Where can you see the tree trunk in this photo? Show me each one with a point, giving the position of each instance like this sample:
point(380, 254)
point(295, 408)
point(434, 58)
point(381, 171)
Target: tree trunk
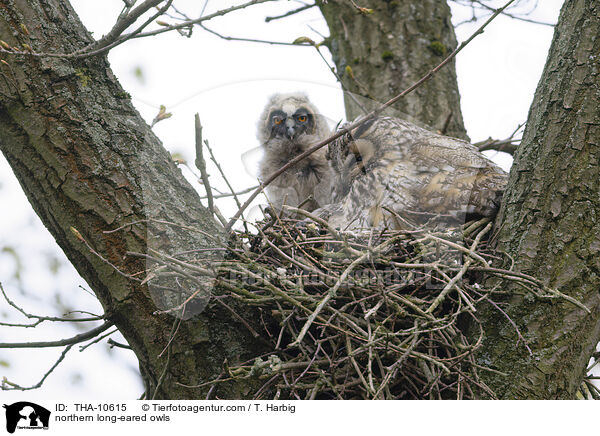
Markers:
point(86, 159)
point(549, 222)
point(379, 54)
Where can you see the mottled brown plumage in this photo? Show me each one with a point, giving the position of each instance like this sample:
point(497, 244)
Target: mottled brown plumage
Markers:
point(289, 125)
point(389, 167)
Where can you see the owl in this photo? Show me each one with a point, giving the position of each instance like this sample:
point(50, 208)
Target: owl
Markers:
point(388, 168)
point(289, 125)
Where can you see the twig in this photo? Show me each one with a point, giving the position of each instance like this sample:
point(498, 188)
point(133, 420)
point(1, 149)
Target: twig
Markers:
point(60, 343)
point(98, 339)
point(339, 79)
point(332, 291)
point(520, 336)
point(114, 343)
point(99, 256)
point(458, 247)
point(201, 163)
point(91, 51)
point(115, 41)
point(167, 348)
point(356, 367)
point(123, 22)
point(243, 191)
point(508, 145)
point(460, 274)
point(14, 386)
point(41, 318)
point(239, 318)
point(224, 177)
point(292, 12)
point(199, 20)
point(516, 17)
point(260, 41)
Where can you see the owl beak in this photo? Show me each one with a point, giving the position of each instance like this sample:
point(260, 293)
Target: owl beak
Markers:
point(290, 130)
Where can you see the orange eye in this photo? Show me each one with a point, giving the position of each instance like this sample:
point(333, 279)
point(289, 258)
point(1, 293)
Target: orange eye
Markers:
point(277, 120)
point(302, 118)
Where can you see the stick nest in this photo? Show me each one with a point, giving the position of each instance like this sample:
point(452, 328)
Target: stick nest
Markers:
point(375, 315)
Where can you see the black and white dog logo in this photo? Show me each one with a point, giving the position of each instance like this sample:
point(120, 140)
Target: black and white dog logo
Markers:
point(26, 415)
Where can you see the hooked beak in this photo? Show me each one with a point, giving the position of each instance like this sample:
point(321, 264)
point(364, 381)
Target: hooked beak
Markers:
point(290, 132)
point(290, 129)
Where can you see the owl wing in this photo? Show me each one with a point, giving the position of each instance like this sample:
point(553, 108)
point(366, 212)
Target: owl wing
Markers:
point(390, 166)
point(456, 178)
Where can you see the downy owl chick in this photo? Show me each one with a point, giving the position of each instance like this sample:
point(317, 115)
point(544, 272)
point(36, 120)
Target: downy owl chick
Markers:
point(289, 125)
point(389, 167)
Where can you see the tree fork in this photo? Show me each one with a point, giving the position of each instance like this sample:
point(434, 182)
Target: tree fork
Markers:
point(87, 160)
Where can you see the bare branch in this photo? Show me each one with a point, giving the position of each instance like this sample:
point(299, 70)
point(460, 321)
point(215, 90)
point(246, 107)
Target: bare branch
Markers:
point(114, 343)
point(261, 41)
point(62, 342)
point(477, 4)
point(201, 163)
point(9, 386)
point(188, 23)
point(94, 252)
point(224, 177)
point(98, 339)
point(123, 22)
point(40, 318)
point(243, 191)
point(516, 17)
point(339, 79)
point(92, 50)
point(292, 12)
point(508, 145)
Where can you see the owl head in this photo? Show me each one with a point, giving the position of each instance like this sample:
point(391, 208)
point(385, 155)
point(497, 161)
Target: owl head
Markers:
point(290, 117)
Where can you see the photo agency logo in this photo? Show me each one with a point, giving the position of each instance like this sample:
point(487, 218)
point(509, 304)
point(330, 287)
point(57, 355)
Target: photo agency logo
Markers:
point(26, 415)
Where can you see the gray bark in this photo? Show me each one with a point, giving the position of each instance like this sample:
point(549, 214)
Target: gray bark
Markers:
point(379, 55)
point(86, 159)
point(549, 221)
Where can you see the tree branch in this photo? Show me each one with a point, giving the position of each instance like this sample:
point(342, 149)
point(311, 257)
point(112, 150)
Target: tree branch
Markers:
point(60, 343)
point(292, 12)
point(123, 22)
point(9, 386)
point(40, 318)
point(109, 43)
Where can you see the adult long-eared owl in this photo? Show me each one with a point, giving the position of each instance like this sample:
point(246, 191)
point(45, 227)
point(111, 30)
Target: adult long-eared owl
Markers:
point(289, 125)
point(388, 167)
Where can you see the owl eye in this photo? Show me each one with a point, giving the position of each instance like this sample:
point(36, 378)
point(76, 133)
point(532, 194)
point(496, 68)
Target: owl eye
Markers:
point(302, 118)
point(277, 121)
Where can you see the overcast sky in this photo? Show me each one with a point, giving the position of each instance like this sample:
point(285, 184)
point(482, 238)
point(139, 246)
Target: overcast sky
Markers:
point(227, 83)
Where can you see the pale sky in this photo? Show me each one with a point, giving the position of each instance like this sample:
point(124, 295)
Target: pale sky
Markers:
point(227, 83)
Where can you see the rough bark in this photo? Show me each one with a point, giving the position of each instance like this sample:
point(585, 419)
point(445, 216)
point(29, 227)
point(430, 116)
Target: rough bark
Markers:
point(86, 159)
point(549, 221)
point(380, 54)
